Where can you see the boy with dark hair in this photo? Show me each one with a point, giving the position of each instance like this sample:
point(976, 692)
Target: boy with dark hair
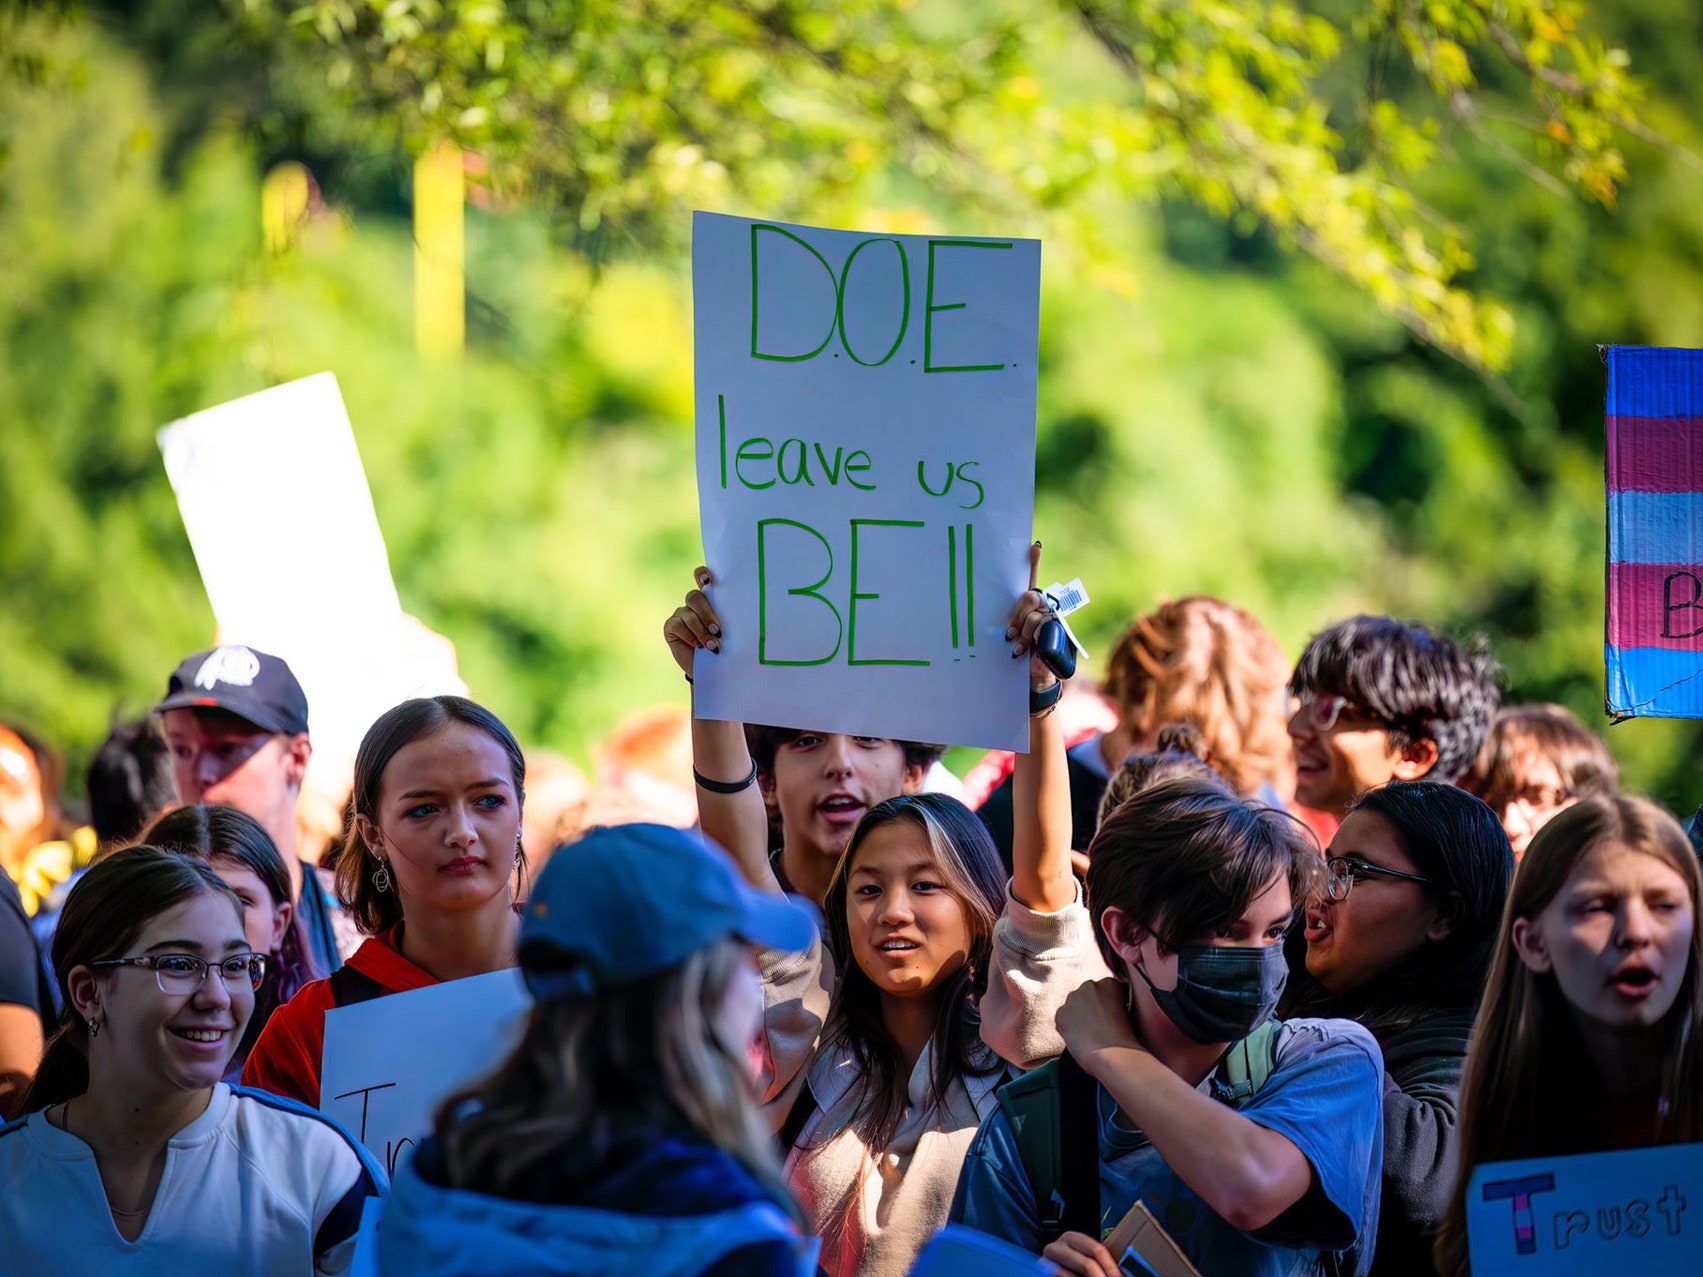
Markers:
point(1384, 700)
point(1256, 1144)
point(129, 782)
point(817, 785)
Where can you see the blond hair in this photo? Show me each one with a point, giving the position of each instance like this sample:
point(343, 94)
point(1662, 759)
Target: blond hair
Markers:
point(1202, 661)
point(1525, 1067)
point(647, 1056)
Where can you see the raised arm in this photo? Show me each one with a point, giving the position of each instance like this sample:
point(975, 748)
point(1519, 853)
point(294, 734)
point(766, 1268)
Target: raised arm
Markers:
point(1044, 941)
point(1041, 876)
point(738, 819)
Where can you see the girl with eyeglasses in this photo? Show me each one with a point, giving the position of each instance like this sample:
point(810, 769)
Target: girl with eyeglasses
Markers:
point(1401, 940)
point(1538, 761)
point(134, 1157)
point(237, 848)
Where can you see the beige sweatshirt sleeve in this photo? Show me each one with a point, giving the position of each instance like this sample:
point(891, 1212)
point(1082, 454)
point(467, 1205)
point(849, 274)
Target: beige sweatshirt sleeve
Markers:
point(796, 991)
point(1038, 960)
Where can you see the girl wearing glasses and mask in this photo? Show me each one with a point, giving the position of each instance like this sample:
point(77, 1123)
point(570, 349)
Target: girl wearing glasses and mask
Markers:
point(1401, 940)
point(1257, 1145)
point(134, 1157)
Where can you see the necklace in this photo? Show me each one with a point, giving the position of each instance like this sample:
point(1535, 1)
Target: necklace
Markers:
point(140, 1212)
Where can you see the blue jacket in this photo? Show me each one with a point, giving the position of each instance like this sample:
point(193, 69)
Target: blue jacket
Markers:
point(719, 1221)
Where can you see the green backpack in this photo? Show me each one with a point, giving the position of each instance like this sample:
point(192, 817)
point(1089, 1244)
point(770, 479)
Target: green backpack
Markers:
point(1055, 1123)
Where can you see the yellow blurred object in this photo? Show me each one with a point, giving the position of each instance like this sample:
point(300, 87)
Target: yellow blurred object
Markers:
point(440, 322)
point(284, 197)
point(49, 864)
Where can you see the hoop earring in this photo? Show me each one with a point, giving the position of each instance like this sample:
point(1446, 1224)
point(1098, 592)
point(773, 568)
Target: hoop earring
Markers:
point(381, 877)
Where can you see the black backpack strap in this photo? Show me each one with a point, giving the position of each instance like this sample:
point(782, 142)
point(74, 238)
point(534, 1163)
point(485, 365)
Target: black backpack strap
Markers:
point(349, 986)
point(1079, 1149)
point(796, 1117)
point(1054, 1116)
point(1030, 1104)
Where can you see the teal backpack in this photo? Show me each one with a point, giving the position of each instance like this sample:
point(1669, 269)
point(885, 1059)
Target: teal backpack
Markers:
point(1055, 1123)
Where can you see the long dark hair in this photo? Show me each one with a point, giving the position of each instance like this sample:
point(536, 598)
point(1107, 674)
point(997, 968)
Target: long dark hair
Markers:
point(105, 911)
point(970, 864)
point(376, 911)
point(211, 833)
point(1457, 842)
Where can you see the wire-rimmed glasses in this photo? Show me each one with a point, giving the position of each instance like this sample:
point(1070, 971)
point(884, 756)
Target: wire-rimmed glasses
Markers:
point(180, 973)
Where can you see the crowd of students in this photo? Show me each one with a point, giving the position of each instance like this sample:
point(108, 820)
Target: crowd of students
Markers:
point(847, 1009)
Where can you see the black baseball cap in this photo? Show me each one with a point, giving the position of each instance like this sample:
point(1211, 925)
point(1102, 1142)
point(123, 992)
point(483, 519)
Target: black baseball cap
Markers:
point(239, 680)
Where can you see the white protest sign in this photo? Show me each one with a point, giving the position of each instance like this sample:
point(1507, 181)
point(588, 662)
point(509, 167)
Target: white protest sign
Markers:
point(866, 474)
point(1581, 1216)
point(276, 504)
point(389, 1062)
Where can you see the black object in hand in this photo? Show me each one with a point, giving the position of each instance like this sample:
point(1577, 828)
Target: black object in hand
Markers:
point(1055, 649)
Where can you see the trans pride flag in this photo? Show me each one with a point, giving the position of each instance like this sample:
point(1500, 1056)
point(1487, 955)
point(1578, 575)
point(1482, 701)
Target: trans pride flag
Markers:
point(1655, 532)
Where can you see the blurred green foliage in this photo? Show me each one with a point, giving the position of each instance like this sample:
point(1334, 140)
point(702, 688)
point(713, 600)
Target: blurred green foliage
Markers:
point(614, 110)
point(1218, 412)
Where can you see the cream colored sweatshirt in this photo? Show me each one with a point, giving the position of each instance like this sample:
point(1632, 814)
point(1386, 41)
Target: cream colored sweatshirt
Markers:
point(1039, 960)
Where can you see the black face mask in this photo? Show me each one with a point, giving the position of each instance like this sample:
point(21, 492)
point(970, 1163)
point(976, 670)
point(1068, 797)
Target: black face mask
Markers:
point(1222, 994)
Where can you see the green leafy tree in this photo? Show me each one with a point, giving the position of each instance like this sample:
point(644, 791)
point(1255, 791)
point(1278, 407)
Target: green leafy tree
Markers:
point(621, 114)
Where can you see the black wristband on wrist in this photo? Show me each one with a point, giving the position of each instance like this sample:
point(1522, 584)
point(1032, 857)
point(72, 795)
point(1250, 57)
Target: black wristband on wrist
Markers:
point(725, 786)
point(1041, 702)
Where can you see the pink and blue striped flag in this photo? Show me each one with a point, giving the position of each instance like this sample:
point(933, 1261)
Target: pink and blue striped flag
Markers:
point(1655, 532)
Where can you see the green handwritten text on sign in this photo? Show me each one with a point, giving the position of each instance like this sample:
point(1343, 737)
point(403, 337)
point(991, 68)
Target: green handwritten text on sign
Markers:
point(866, 454)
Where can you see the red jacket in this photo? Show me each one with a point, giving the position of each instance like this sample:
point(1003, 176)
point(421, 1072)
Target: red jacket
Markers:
point(287, 1057)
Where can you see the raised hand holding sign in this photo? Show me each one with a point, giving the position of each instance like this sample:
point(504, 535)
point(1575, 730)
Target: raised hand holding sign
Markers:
point(865, 444)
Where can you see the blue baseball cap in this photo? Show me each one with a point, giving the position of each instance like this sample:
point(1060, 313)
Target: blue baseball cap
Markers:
point(628, 901)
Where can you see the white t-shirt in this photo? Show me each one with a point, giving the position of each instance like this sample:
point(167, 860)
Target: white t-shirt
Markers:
point(256, 1185)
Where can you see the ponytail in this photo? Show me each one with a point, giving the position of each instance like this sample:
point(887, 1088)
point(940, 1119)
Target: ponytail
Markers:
point(64, 1070)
